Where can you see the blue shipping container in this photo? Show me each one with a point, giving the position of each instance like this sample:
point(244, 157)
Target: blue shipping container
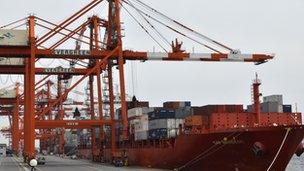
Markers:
point(287, 108)
point(162, 114)
point(187, 104)
point(158, 134)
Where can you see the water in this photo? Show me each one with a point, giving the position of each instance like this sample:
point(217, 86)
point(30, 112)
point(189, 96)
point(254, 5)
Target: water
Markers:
point(296, 164)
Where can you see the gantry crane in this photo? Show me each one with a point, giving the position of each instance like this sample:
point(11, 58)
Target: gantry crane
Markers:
point(101, 56)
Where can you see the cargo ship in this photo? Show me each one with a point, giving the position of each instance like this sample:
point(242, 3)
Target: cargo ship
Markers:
point(179, 136)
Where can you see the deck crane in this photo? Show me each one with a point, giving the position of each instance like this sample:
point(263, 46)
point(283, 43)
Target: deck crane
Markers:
point(105, 55)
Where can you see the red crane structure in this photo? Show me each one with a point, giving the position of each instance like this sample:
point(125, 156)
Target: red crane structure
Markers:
point(101, 56)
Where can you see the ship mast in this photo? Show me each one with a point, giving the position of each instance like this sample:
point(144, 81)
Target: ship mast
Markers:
point(256, 98)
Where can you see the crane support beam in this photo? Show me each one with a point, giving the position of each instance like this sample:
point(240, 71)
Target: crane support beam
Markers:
point(70, 124)
point(29, 89)
point(20, 70)
point(15, 126)
point(6, 113)
point(132, 55)
point(7, 101)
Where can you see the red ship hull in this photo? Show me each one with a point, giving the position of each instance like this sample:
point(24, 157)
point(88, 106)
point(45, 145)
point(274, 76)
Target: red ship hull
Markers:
point(229, 150)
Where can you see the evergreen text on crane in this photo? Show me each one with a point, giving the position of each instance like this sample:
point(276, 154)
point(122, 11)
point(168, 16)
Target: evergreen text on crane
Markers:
point(71, 52)
point(59, 70)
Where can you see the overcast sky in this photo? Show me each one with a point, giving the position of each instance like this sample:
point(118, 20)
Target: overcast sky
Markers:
point(272, 26)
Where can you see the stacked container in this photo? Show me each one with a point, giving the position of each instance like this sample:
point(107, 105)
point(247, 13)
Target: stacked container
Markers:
point(138, 111)
point(271, 107)
point(158, 123)
point(139, 122)
point(209, 109)
point(195, 120)
point(287, 108)
point(272, 104)
point(163, 124)
point(163, 133)
point(176, 104)
point(273, 98)
point(182, 113)
point(162, 114)
point(141, 128)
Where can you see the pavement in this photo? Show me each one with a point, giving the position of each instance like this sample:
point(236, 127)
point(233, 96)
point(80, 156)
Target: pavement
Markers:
point(54, 163)
point(10, 164)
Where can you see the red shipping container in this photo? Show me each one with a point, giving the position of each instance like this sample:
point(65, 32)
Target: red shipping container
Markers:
point(209, 109)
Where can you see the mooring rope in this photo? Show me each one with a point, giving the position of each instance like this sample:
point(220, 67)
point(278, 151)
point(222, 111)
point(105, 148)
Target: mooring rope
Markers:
point(282, 144)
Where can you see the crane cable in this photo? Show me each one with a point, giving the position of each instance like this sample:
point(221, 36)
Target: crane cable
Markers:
point(20, 25)
point(143, 27)
point(2, 82)
point(183, 26)
point(39, 61)
point(133, 75)
point(151, 25)
point(171, 28)
point(11, 79)
point(13, 23)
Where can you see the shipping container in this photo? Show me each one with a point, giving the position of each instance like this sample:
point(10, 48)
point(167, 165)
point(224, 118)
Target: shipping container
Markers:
point(4, 93)
point(134, 104)
point(143, 124)
point(287, 108)
point(134, 121)
point(271, 107)
point(11, 61)
point(195, 120)
point(135, 112)
point(209, 109)
point(10, 37)
point(249, 108)
point(183, 112)
point(163, 133)
point(143, 135)
point(162, 114)
point(176, 104)
point(13, 38)
point(274, 98)
point(132, 124)
point(165, 123)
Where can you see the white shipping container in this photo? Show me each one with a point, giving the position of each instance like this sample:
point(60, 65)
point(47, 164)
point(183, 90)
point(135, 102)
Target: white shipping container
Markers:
point(274, 98)
point(275, 107)
point(143, 135)
point(142, 126)
point(14, 37)
point(182, 104)
point(134, 112)
point(165, 123)
point(7, 93)
point(11, 61)
point(172, 133)
point(132, 123)
point(144, 118)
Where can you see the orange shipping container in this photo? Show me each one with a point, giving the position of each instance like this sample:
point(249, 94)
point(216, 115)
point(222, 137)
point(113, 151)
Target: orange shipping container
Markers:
point(195, 120)
point(171, 105)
